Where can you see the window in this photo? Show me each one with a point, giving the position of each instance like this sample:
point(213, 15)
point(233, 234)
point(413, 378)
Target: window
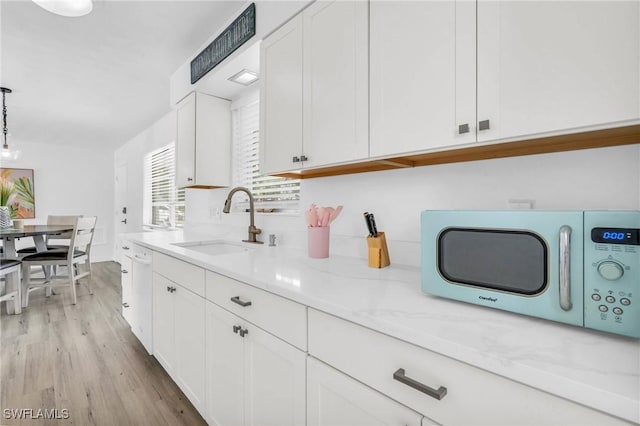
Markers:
point(271, 194)
point(163, 202)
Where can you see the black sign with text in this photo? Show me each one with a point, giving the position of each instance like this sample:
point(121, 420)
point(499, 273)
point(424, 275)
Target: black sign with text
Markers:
point(234, 36)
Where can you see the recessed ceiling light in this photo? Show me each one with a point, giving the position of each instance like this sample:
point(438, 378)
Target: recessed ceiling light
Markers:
point(244, 77)
point(71, 8)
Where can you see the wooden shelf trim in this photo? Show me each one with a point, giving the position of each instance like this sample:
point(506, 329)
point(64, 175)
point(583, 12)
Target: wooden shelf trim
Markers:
point(627, 135)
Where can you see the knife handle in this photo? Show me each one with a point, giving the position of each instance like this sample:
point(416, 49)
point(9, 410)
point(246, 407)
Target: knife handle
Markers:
point(368, 222)
point(374, 228)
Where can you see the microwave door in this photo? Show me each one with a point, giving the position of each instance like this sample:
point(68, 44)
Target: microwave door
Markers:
point(494, 259)
point(526, 262)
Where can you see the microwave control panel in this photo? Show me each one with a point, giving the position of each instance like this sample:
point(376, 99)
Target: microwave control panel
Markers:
point(612, 271)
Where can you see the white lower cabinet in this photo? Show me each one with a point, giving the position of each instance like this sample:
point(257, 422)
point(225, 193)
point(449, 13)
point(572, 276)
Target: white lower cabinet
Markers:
point(334, 398)
point(444, 390)
point(253, 378)
point(126, 269)
point(178, 335)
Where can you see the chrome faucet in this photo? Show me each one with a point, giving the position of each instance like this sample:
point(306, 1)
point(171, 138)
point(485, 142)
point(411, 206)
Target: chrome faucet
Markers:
point(253, 231)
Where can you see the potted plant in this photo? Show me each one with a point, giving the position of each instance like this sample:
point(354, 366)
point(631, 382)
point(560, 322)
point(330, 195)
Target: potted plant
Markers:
point(7, 210)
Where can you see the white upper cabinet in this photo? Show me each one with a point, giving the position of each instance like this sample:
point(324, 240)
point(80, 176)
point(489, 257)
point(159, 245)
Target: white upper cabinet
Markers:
point(391, 78)
point(281, 98)
point(203, 141)
point(336, 86)
point(422, 57)
point(548, 66)
point(314, 88)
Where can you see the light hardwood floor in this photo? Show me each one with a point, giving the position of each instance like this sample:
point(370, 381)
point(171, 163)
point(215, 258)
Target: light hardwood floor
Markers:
point(84, 359)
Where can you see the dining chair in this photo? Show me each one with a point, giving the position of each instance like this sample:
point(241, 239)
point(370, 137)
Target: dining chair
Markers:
point(76, 258)
point(10, 271)
point(54, 241)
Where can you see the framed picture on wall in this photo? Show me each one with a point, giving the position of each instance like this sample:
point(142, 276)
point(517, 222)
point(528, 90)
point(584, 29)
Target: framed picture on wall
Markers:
point(16, 192)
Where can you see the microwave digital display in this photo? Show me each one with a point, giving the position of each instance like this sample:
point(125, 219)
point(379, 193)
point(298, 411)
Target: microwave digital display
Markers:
point(627, 236)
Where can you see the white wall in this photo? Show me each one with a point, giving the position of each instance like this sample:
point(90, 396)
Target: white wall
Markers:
point(606, 178)
point(71, 181)
point(132, 153)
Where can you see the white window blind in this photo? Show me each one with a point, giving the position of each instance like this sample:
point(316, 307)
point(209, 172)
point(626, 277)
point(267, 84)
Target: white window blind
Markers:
point(163, 202)
point(271, 194)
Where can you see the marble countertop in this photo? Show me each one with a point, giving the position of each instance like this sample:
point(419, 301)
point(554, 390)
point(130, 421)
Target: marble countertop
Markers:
point(595, 369)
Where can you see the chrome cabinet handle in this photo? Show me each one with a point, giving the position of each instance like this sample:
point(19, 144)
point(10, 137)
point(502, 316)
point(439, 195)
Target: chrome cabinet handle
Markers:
point(304, 158)
point(243, 332)
point(189, 179)
point(124, 271)
point(169, 289)
point(433, 393)
point(295, 159)
point(237, 300)
point(125, 248)
point(484, 125)
point(126, 305)
point(236, 329)
point(463, 128)
point(565, 268)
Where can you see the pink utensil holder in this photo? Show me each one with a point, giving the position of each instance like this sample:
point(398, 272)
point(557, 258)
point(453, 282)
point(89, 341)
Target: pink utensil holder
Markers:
point(318, 239)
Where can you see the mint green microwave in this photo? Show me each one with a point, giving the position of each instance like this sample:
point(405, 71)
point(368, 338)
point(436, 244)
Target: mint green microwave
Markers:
point(576, 267)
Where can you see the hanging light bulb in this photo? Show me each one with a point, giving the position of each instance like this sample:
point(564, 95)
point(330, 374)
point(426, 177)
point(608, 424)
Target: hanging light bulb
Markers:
point(7, 154)
point(71, 8)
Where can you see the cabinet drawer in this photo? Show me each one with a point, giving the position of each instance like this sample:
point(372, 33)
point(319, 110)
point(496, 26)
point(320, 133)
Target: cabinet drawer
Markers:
point(277, 315)
point(187, 275)
point(473, 396)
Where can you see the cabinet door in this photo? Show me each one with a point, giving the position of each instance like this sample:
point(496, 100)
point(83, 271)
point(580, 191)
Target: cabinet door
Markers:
point(224, 367)
point(186, 141)
point(334, 398)
point(281, 98)
point(417, 49)
point(163, 323)
point(545, 66)
point(336, 83)
point(189, 345)
point(126, 272)
point(274, 380)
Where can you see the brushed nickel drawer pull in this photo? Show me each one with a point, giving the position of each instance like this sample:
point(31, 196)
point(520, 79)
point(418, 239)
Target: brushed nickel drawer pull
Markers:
point(433, 393)
point(237, 300)
point(484, 125)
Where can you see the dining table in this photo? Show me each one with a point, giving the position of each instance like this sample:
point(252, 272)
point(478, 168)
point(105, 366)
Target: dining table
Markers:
point(37, 232)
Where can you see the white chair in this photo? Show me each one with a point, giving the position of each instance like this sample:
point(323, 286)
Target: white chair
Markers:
point(10, 270)
point(75, 258)
point(54, 241)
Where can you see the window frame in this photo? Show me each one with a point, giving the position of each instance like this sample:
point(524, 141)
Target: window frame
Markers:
point(176, 201)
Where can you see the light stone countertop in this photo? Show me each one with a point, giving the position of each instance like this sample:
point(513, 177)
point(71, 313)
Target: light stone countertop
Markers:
point(596, 369)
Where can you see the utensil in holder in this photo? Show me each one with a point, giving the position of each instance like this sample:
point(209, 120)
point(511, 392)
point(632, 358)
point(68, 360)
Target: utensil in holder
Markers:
point(378, 252)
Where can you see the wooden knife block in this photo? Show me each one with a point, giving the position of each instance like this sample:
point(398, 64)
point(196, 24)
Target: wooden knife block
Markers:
point(378, 252)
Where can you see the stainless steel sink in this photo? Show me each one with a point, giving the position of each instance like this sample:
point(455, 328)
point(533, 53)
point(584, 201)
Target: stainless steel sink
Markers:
point(214, 248)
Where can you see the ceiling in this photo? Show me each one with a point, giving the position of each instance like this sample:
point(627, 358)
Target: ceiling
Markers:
point(103, 78)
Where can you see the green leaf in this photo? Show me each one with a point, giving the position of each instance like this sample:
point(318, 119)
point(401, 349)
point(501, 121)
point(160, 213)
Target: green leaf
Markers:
point(24, 189)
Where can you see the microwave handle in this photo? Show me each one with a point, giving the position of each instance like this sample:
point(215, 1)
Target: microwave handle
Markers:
point(565, 267)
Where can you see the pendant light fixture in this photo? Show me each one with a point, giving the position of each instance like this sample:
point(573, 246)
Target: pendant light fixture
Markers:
point(70, 8)
point(7, 154)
